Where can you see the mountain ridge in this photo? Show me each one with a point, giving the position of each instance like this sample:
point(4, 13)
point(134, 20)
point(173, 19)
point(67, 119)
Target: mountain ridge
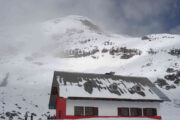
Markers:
point(68, 44)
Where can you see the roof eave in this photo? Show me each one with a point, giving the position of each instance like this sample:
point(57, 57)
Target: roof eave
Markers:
point(114, 99)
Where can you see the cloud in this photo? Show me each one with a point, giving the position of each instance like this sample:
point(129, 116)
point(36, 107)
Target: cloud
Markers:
point(19, 20)
point(175, 30)
point(132, 17)
point(139, 17)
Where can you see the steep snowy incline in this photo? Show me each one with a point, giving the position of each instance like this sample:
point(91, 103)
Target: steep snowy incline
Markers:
point(76, 43)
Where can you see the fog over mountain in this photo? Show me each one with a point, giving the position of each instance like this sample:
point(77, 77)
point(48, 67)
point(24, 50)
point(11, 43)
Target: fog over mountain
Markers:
point(78, 44)
point(135, 38)
point(20, 18)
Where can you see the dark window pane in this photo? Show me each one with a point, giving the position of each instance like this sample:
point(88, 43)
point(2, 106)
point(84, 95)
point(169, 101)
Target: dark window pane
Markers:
point(91, 111)
point(123, 111)
point(136, 112)
point(78, 111)
point(95, 111)
point(150, 112)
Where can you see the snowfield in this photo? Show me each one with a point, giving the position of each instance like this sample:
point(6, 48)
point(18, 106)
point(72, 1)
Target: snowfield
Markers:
point(75, 43)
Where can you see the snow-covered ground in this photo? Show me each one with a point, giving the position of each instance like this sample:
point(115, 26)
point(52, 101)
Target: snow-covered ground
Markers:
point(26, 72)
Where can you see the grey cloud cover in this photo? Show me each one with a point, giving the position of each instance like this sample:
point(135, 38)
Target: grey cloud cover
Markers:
point(133, 17)
point(19, 19)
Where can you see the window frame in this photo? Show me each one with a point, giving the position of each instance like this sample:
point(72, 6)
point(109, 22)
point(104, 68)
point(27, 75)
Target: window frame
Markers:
point(123, 108)
point(94, 111)
point(88, 112)
point(75, 110)
point(84, 111)
point(154, 112)
point(139, 112)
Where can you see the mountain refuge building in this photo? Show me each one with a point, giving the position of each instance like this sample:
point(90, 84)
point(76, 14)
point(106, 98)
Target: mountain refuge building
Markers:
point(88, 95)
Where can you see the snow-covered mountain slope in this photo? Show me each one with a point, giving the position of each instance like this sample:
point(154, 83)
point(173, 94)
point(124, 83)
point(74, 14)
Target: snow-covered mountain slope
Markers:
point(76, 43)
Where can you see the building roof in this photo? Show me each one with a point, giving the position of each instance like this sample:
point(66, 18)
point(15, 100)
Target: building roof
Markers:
point(73, 85)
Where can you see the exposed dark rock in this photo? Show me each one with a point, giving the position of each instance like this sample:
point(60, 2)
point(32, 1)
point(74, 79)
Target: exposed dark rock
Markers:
point(174, 52)
point(178, 73)
point(145, 38)
point(91, 26)
point(126, 56)
point(75, 53)
point(104, 50)
point(36, 106)
point(84, 41)
point(170, 87)
point(177, 81)
point(170, 70)
point(19, 113)
point(5, 81)
point(11, 115)
point(2, 117)
point(152, 52)
point(161, 82)
point(126, 53)
point(110, 73)
point(94, 57)
point(148, 64)
point(34, 114)
point(171, 77)
point(108, 43)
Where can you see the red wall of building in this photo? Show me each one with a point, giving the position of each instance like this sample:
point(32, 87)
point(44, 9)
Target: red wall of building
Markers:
point(61, 112)
point(61, 108)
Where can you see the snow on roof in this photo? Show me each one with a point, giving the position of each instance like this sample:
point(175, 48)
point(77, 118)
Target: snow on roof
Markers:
point(89, 85)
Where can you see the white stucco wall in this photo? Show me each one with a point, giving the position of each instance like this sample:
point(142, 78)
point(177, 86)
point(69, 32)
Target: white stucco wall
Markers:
point(109, 108)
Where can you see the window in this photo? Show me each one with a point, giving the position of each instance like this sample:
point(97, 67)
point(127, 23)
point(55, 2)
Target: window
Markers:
point(78, 111)
point(150, 112)
point(123, 111)
point(136, 112)
point(87, 111)
point(95, 111)
point(91, 111)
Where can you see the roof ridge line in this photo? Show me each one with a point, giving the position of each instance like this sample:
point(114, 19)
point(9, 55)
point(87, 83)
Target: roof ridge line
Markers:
point(100, 74)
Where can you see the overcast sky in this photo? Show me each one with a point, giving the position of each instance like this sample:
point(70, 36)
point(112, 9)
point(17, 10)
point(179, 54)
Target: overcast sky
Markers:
point(132, 17)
